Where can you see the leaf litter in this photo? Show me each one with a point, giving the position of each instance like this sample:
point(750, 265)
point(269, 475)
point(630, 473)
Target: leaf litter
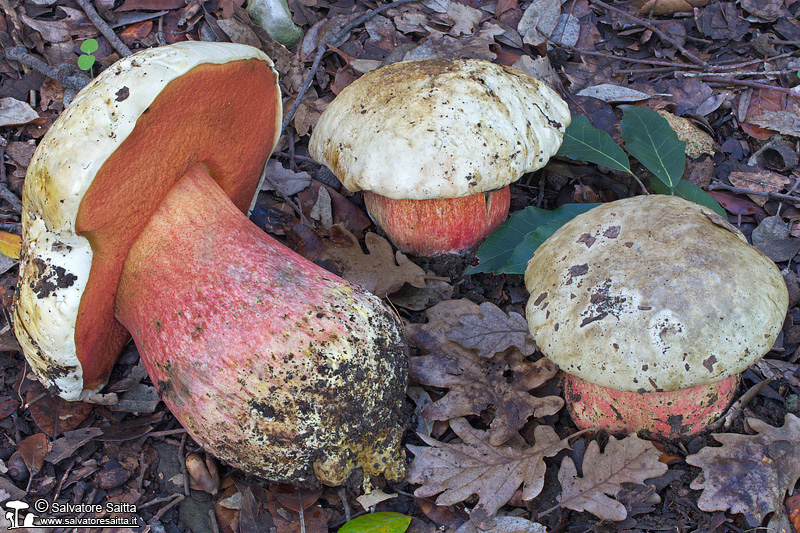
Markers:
point(482, 347)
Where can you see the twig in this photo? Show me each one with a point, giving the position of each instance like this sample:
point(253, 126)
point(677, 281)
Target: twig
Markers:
point(166, 433)
point(749, 83)
point(771, 195)
point(212, 519)
point(66, 75)
point(735, 410)
point(748, 73)
point(184, 469)
point(104, 28)
point(178, 499)
point(655, 29)
point(11, 198)
point(322, 48)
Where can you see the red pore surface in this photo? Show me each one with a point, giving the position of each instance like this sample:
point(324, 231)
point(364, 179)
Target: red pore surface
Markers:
point(659, 415)
point(272, 363)
point(221, 115)
point(441, 225)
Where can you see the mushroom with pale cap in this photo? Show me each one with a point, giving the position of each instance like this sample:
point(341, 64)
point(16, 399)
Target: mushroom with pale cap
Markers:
point(652, 305)
point(134, 221)
point(434, 145)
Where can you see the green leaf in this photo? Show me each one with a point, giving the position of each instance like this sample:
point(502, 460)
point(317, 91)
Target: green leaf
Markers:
point(518, 261)
point(85, 62)
point(499, 248)
point(650, 139)
point(584, 142)
point(690, 191)
point(377, 522)
point(89, 45)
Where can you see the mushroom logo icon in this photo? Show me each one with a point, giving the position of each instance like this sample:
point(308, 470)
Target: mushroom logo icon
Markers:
point(12, 516)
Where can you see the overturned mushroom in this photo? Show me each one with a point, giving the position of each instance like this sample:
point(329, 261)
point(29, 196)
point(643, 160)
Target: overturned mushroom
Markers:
point(134, 222)
point(434, 145)
point(652, 305)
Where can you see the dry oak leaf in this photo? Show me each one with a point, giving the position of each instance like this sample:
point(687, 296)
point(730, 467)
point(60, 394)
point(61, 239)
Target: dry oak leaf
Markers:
point(476, 384)
point(492, 331)
point(493, 473)
point(381, 271)
point(759, 180)
point(749, 474)
point(630, 460)
point(475, 381)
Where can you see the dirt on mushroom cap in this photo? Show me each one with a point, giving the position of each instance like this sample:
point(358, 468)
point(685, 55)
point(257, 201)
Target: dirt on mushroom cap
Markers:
point(653, 293)
point(450, 128)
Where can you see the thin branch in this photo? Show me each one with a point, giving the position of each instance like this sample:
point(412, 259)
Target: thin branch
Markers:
point(322, 48)
point(749, 83)
point(66, 75)
point(104, 28)
point(655, 29)
point(771, 195)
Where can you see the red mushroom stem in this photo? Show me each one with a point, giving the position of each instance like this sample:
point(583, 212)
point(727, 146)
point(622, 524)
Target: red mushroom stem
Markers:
point(439, 225)
point(234, 328)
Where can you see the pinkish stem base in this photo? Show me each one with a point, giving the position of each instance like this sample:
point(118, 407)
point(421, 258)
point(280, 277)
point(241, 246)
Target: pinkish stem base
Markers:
point(270, 362)
point(657, 415)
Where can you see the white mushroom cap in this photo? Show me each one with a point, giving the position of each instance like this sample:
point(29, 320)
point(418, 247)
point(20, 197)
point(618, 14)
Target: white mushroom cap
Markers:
point(439, 128)
point(55, 262)
point(653, 293)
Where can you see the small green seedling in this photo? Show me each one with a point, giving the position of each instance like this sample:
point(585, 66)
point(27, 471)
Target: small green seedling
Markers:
point(377, 523)
point(88, 47)
point(648, 137)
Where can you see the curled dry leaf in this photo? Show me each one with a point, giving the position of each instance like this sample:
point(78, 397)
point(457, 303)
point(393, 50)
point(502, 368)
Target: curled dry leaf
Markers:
point(201, 476)
point(477, 381)
point(455, 471)
point(477, 384)
point(381, 271)
point(630, 460)
point(749, 474)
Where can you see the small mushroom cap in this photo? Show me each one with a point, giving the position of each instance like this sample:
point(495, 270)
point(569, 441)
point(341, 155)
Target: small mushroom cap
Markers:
point(439, 128)
point(82, 144)
point(653, 293)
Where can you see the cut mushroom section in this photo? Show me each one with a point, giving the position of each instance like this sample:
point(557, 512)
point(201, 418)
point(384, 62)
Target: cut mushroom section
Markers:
point(647, 302)
point(134, 222)
point(436, 143)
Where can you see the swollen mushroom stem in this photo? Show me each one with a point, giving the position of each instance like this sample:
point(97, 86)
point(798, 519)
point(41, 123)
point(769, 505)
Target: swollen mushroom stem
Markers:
point(133, 222)
point(250, 345)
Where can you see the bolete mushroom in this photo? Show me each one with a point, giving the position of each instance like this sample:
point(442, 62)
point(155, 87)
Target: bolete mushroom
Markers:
point(652, 305)
point(434, 145)
point(133, 222)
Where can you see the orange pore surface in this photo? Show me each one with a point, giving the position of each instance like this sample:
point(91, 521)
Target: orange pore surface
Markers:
point(223, 116)
point(439, 225)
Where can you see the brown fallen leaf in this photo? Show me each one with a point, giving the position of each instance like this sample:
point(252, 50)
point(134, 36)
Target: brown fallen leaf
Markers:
point(67, 445)
point(52, 414)
point(476, 382)
point(661, 8)
point(784, 121)
point(759, 180)
point(380, 271)
point(33, 450)
point(749, 474)
point(492, 331)
point(630, 460)
point(455, 471)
